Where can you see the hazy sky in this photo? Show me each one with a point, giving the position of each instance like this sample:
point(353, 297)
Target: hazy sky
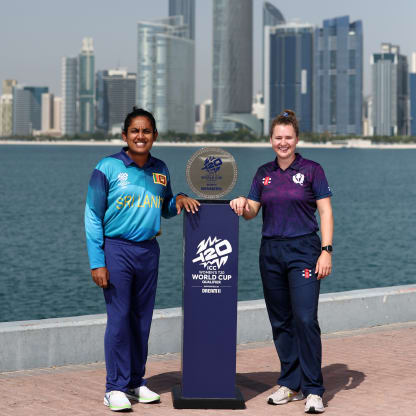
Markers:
point(34, 35)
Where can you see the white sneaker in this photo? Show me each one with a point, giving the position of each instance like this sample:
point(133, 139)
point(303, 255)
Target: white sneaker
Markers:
point(284, 395)
point(314, 404)
point(116, 400)
point(143, 395)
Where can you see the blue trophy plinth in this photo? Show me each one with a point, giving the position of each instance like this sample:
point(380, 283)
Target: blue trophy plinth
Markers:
point(209, 310)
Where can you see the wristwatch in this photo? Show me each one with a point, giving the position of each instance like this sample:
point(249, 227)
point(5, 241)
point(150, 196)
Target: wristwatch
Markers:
point(327, 248)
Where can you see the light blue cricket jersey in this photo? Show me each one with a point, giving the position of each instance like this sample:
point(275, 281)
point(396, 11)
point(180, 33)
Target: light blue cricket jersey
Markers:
point(126, 201)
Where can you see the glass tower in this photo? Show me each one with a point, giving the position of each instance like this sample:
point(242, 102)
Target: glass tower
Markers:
point(232, 74)
point(412, 95)
point(185, 8)
point(272, 16)
point(165, 73)
point(288, 64)
point(86, 86)
point(390, 92)
point(338, 77)
point(69, 96)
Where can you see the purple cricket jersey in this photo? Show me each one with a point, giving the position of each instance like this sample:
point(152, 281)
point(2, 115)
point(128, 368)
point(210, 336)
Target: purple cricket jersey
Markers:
point(288, 197)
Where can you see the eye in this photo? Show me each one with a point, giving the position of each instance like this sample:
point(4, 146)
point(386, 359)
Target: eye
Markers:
point(147, 131)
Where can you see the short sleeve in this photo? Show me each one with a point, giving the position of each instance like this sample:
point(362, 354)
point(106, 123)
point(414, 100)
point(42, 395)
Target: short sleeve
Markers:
point(320, 185)
point(255, 190)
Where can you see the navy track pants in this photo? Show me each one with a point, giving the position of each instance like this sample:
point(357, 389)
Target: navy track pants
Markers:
point(130, 299)
point(291, 292)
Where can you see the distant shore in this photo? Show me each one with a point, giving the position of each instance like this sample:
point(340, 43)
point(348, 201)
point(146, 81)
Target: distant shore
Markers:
point(350, 144)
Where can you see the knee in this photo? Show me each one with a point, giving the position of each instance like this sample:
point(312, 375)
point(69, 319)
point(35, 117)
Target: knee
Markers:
point(306, 321)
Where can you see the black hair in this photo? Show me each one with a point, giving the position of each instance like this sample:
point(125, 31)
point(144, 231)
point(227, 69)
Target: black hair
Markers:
point(139, 112)
point(286, 117)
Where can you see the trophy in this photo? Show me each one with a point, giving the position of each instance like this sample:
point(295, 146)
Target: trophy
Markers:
point(210, 288)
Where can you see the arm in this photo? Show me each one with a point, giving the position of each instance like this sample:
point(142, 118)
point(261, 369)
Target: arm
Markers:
point(94, 214)
point(324, 263)
point(245, 207)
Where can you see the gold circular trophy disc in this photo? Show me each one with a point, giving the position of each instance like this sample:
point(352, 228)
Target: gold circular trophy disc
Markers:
point(211, 172)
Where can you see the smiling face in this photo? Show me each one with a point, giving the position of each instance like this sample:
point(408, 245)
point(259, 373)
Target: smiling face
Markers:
point(284, 141)
point(139, 136)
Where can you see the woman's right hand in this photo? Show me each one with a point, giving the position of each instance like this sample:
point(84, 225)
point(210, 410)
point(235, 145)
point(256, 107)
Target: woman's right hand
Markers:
point(239, 205)
point(101, 276)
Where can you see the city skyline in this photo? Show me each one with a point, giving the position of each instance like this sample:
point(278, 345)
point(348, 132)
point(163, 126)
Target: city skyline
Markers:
point(49, 28)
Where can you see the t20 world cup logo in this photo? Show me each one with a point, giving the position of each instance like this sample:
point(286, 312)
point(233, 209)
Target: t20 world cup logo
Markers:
point(213, 251)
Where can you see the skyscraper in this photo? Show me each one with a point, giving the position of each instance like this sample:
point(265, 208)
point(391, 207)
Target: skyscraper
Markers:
point(69, 96)
point(390, 91)
point(86, 86)
point(101, 119)
point(119, 97)
point(288, 72)
point(338, 77)
point(412, 95)
point(185, 8)
point(47, 112)
point(272, 16)
point(232, 74)
point(165, 73)
point(27, 109)
point(6, 107)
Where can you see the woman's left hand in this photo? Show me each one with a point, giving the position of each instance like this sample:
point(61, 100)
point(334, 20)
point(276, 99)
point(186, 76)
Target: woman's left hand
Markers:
point(324, 265)
point(190, 204)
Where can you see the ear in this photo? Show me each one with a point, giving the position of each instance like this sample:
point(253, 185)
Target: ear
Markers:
point(155, 135)
point(124, 136)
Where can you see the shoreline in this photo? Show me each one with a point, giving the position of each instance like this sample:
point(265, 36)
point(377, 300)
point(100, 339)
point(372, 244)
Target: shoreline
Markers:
point(350, 144)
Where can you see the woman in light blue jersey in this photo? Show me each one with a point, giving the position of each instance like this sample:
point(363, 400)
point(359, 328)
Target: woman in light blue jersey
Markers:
point(127, 194)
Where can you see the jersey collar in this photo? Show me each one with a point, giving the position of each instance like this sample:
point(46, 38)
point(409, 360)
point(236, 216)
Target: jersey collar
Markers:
point(128, 161)
point(293, 166)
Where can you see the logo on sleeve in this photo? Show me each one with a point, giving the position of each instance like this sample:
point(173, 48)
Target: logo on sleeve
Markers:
point(299, 178)
point(266, 180)
point(160, 179)
point(307, 273)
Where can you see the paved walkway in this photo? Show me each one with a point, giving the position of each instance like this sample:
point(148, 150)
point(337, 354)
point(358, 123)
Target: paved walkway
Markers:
point(366, 372)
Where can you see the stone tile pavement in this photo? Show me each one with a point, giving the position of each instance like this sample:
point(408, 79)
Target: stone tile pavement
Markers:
point(366, 372)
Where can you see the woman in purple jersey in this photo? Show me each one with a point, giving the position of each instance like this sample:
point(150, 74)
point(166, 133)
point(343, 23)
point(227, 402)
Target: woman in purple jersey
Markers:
point(292, 259)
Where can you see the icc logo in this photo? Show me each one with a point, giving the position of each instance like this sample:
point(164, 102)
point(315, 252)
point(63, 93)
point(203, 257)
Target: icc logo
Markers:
point(212, 164)
point(213, 251)
point(122, 179)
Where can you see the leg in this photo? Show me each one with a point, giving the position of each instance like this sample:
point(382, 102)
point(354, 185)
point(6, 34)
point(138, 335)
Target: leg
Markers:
point(304, 291)
point(143, 301)
point(117, 334)
point(278, 303)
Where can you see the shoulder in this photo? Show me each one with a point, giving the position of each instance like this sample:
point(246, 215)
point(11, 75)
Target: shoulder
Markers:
point(159, 164)
point(108, 164)
point(266, 168)
point(308, 166)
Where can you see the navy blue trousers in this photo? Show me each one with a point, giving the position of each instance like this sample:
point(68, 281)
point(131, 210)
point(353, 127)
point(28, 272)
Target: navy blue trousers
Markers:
point(291, 292)
point(130, 300)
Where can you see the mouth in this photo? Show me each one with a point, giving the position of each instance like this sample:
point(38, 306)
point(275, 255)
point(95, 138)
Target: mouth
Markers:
point(283, 149)
point(140, 145)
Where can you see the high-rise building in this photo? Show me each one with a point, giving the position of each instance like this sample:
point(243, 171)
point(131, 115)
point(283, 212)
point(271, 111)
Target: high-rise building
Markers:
point(390, 91)
point(69, 96)
point(272, 16)
point(204, 113)
point(27, 109)
point(232, 72)
point(412, 95)
point(288, 72)
point(101, 115)
point(338, 77)
point(165, 73)
point(119, 97)
point(6, 107)
point(57, 110)
point(86, 87)
point(47, 112)
point(185, 8)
